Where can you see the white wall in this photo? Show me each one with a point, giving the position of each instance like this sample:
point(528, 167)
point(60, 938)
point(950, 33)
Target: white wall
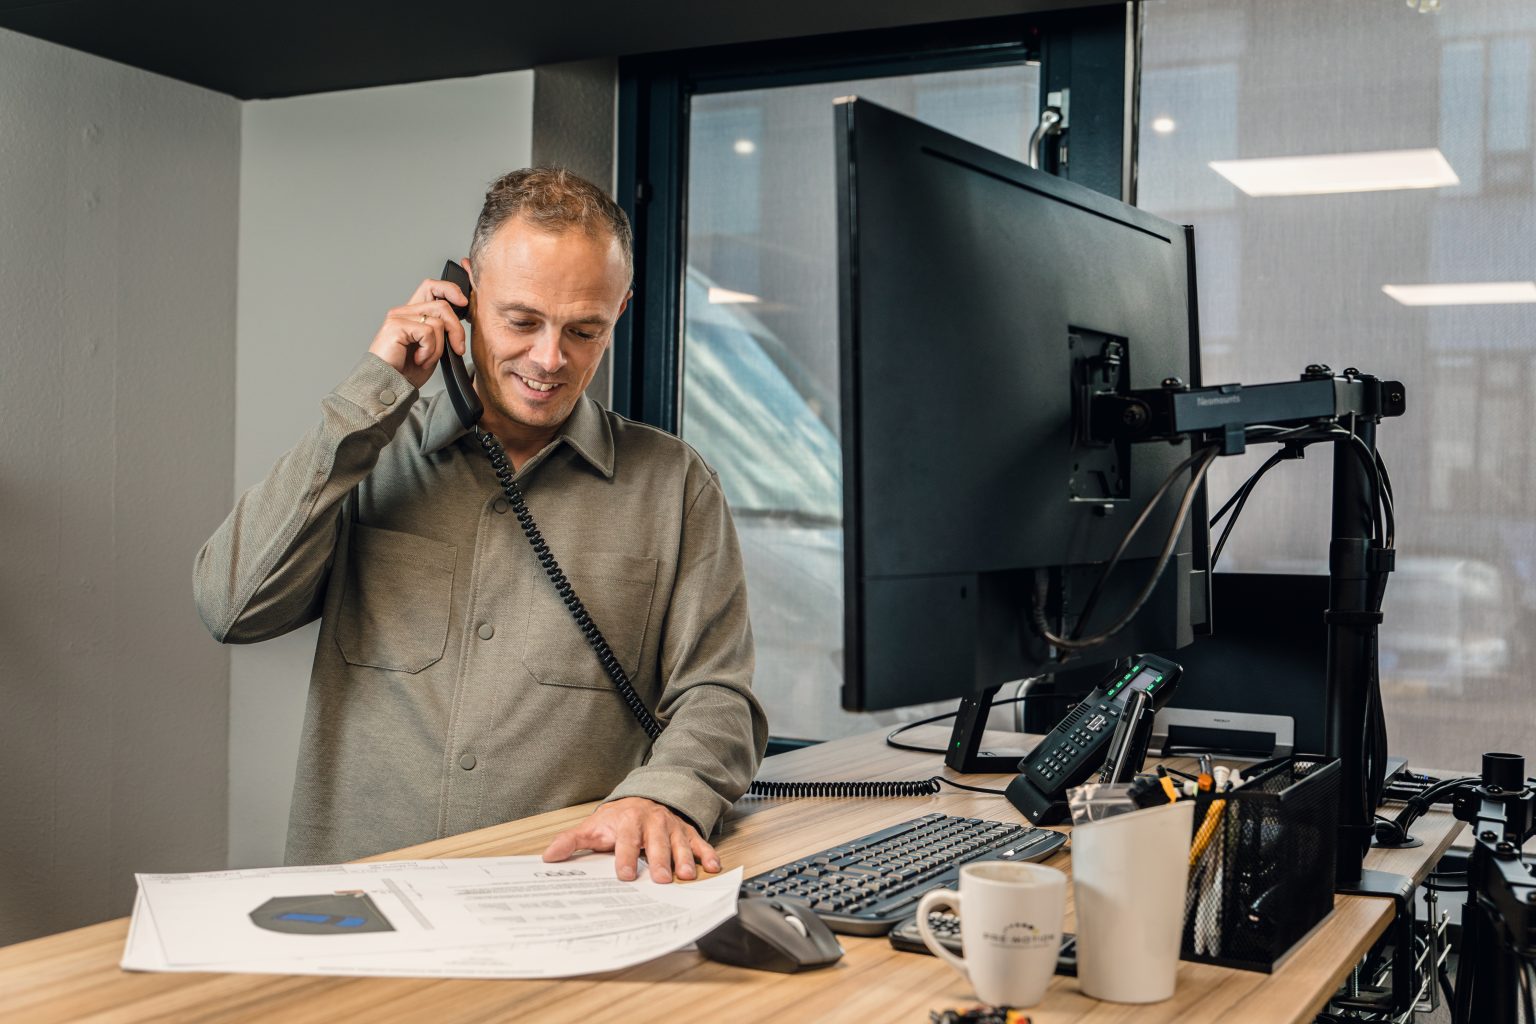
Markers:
point(118, 211)
point(347, 201)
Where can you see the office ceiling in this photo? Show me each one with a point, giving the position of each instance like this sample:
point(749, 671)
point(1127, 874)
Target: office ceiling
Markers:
point(286, 47)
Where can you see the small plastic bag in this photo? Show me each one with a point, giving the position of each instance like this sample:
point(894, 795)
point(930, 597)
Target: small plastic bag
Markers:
point(1096, 801)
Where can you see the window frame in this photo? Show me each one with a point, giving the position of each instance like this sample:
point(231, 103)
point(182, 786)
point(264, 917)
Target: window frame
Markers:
point(1083, 50)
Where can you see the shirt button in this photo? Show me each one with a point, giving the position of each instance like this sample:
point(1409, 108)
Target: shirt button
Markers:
point(501, 506)
point(487, 631)
point(467, 762)
point(387, 396)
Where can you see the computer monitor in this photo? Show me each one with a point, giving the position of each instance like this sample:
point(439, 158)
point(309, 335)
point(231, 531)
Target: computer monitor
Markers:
point(981, 301)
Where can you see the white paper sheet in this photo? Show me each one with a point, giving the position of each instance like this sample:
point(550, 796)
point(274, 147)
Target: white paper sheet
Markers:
point(488, 917)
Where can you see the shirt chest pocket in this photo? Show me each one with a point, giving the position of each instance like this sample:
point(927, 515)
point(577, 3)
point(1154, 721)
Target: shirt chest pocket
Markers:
point(396, 602)
point(618, 591)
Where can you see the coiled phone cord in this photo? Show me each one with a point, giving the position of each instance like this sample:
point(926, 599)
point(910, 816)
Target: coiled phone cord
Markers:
point(594, 636)
point(913, 787)
point(502, 466)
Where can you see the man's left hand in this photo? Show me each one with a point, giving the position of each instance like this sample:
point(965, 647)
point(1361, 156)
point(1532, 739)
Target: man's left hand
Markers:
point(634, 824)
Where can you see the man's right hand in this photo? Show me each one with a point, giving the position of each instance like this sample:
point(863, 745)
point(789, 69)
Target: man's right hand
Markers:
point(412, 336)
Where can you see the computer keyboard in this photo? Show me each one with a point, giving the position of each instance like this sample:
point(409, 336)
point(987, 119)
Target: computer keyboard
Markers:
point(865, 886)
point(946, 928)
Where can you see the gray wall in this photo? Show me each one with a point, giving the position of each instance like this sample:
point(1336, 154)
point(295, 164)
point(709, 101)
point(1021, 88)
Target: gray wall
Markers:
point(347, 201)
point(135, 210)
point(118, 206)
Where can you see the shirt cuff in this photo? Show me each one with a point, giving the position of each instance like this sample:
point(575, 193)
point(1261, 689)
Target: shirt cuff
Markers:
point(685, 795)
point(378, 389)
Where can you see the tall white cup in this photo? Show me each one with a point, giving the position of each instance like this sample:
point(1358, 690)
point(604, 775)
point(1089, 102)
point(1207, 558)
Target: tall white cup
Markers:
point(1129, 874)
point(1010, 928)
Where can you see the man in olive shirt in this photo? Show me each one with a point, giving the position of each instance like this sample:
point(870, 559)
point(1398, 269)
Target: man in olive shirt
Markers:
point(451, 689)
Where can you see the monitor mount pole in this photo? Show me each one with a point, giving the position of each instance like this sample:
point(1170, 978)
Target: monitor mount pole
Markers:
point(1354, 563)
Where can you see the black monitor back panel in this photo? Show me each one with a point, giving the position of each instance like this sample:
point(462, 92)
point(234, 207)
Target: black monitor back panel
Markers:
point(970, 286)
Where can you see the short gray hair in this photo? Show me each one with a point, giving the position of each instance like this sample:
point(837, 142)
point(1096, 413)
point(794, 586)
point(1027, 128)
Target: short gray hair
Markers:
point(554, 199)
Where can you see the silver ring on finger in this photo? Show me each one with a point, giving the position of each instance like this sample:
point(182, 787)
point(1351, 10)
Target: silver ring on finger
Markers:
point(423, 318)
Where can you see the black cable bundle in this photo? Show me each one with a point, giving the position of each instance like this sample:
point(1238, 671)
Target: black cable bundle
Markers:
point(1394, 831)
point(1383, 539)
point(1201, 461)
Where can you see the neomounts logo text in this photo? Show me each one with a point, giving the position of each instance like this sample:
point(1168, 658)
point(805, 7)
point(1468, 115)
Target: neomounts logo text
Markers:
point(1218, 400)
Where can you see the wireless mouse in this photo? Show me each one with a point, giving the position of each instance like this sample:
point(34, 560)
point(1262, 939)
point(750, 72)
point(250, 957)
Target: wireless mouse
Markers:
point(772, 935)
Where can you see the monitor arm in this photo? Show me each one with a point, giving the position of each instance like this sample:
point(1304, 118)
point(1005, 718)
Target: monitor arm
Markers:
point(1315, 407)
point(1226, 413)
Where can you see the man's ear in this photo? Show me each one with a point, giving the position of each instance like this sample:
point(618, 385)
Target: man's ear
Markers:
point(625, 304)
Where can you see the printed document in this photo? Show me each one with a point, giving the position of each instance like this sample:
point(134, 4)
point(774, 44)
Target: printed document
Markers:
point(477, 917)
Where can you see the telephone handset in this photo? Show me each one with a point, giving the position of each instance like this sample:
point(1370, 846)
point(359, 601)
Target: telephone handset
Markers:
point(456, 382)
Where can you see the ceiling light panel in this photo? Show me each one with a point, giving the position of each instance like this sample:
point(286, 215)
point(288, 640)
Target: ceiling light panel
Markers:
point(1339, 172)
point(1485, 293)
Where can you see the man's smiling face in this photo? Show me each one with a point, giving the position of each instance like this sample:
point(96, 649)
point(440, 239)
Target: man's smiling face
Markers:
point(545, 304)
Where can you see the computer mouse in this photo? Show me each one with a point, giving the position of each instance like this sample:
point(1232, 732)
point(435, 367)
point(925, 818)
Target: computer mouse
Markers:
point(772, 935)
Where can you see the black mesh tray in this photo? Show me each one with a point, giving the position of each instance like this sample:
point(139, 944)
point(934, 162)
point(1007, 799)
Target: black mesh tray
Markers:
point(1265, 878)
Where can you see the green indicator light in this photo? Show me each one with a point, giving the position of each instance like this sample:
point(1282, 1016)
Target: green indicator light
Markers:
point(1159, 679)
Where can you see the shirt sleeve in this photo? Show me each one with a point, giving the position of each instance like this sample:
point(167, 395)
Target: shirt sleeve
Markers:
point(264, 571)
point(715, 730)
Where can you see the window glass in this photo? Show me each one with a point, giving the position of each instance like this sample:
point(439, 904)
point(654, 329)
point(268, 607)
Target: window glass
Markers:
point(760, 387)
point(1287, 280)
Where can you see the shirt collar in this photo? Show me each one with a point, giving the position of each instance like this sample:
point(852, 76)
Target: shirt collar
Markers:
point(587, 431)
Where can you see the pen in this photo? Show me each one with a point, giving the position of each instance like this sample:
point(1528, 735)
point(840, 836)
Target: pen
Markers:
point(1207, 830)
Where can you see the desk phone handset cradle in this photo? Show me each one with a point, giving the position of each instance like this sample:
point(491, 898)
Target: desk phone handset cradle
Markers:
point(1107, 732)
point(466, 404)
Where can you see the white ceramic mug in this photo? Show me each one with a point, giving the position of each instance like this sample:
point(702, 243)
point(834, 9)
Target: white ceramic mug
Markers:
point(1010, 928)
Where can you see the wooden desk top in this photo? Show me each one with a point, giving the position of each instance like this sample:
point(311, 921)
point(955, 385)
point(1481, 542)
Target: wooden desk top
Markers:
point(73, 976)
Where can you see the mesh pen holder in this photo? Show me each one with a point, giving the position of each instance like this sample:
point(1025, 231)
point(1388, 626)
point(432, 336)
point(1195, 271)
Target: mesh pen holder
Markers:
point(1263, 875)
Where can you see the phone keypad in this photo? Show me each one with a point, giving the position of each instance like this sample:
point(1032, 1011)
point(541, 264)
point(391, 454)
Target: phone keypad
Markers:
point(1062, 758)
